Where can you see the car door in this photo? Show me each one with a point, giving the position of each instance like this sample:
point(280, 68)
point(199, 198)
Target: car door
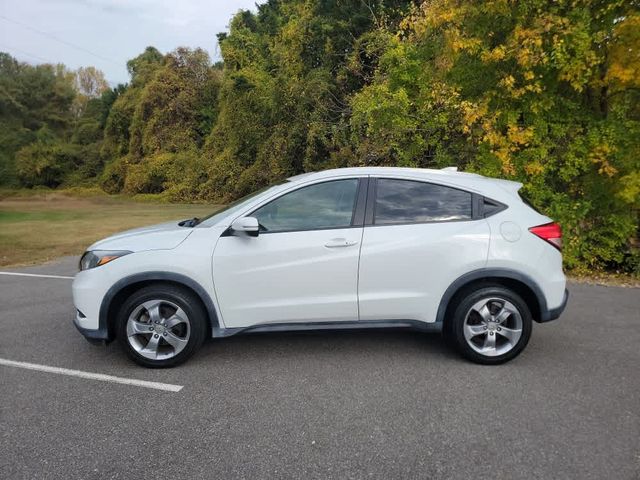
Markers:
point(418, 238)
point(303, 265)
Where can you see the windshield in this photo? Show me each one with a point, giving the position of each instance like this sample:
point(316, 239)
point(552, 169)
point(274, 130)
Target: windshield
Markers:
point(236, 206)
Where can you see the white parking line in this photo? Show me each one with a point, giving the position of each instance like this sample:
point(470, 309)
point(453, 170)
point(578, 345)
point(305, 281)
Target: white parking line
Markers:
point(16, 274)
point(167, 387)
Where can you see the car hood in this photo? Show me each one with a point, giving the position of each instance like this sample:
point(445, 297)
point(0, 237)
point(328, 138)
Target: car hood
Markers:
point(163, 236)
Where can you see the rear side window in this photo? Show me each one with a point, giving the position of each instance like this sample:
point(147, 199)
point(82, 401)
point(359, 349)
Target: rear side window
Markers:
point(408, 201)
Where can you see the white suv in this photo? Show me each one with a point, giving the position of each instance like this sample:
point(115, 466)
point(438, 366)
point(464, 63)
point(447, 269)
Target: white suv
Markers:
point(428, 250)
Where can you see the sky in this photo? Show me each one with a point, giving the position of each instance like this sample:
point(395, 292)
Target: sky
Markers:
point(107, 33)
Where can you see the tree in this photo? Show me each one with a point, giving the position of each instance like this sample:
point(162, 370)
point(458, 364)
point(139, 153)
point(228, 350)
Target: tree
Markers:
point(537, 92)
point(285, 90)
point(31, 98)
point(90, 82)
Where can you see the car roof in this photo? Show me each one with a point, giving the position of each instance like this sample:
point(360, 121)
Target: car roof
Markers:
point(449, 176)
point(385, 171)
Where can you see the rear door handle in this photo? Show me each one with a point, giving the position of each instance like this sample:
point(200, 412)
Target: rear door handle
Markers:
point(340, 243)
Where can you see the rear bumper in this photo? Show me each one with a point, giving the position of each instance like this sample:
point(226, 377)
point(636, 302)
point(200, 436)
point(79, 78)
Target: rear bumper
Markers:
point(554, 313)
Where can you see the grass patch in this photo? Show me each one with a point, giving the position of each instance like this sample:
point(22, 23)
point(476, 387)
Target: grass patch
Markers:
point(43, 226)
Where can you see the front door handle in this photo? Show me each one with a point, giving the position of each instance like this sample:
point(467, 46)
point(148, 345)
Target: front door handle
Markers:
point(340, 243)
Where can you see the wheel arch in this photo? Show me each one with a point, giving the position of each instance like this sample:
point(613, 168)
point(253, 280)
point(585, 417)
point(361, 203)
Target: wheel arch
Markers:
point(123, 288)
point(522, 284)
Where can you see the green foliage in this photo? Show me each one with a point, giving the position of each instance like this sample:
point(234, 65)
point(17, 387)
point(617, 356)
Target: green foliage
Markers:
point(30, 98)
point(546, 93)
point(162, 118)
point(144, 66)
point(286, 89)
point(540, 93)
point(170, 110)
point(45, 164)
point(113, 177)
point(179, 176)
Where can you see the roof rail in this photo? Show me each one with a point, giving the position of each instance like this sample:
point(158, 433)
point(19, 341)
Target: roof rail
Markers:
point(449, 169)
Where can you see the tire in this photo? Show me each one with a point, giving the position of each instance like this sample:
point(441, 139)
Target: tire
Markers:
point(161, 325)
point(492, 336)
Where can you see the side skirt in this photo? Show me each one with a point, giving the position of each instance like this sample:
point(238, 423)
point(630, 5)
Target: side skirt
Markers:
point(414, 325)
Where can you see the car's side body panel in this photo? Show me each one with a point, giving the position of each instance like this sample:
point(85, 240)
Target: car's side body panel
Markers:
point(287, 277)
point(291, 276)
point(405, 269)
point(515, 248)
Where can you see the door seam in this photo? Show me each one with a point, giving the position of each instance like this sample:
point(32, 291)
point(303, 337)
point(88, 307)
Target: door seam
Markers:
point(366, 201)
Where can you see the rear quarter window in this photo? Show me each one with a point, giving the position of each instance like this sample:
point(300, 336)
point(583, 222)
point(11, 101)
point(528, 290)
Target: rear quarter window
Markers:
point(491, 207)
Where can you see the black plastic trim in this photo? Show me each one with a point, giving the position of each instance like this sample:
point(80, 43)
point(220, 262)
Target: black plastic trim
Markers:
point(103, 320)
point(357, 220)
point(501, 207)
point(96, 337)
point(477, 204)
point(555, 313)
point(299, 230)
point(330, 326)
point(545, 313)
point(371, 201)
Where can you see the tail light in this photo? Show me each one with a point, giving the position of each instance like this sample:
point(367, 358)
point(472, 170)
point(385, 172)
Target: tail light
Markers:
point(550, 232)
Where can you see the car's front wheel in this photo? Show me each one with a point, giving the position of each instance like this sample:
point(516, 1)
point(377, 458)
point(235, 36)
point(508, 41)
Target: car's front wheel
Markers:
point(161, 325)
point(490, 325)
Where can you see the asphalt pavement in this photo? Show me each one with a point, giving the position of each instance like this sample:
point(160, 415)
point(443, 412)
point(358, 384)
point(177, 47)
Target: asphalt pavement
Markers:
point(340, 405)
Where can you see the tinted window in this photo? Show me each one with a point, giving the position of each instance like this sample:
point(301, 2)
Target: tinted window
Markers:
point(405, 201)
point(323, 205)
point(491, 207)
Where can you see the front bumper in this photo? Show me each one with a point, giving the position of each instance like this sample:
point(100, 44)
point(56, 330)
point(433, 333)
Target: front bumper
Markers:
point(88, 292)
point(98, 336)
point(555, 313)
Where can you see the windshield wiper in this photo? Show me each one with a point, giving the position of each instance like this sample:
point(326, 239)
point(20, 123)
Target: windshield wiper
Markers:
point(190, 223)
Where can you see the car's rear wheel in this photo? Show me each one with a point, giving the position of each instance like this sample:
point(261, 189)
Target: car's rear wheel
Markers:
point(161, 325)
point(490, 325)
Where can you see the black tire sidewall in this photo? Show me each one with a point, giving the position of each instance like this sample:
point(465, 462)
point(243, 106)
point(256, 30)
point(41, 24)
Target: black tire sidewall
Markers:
point(181, 297)
point(460, 312)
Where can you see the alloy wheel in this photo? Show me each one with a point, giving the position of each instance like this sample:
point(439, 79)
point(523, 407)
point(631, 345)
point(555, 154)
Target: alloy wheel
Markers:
point(158, 329)
point(492, 326)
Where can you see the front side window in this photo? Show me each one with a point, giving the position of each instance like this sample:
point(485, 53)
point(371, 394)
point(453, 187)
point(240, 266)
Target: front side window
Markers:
point(408, 201)
point(316, 207)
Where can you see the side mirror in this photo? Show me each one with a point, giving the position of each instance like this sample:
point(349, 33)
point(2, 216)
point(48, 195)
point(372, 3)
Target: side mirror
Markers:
point(247, 226)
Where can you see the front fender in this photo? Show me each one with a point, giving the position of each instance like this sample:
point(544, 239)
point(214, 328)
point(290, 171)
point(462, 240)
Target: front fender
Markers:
point(114, 294)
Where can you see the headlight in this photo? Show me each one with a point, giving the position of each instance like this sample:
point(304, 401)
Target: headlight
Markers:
point(97, 258)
